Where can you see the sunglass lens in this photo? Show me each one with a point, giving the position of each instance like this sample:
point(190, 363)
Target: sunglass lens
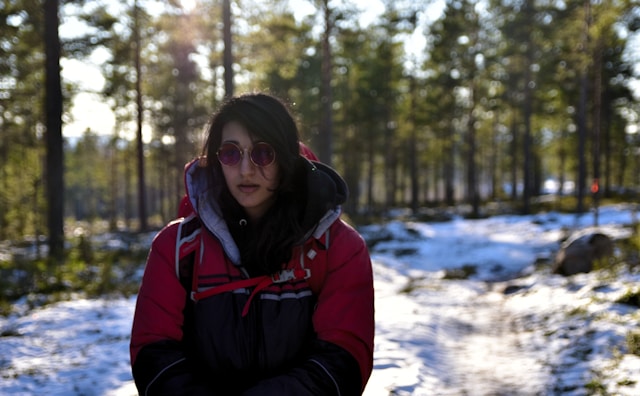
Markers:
point(262, 154)
point(229, 154)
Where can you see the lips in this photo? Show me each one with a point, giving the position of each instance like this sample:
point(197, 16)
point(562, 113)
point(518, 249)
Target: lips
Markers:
point(248, 188)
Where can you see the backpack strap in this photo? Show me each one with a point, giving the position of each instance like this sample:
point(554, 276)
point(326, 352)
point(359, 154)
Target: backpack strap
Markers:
point(316, 260)
point(188, 243)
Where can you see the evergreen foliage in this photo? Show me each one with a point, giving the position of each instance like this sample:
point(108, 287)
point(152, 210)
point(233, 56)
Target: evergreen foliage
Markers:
point(487, 109)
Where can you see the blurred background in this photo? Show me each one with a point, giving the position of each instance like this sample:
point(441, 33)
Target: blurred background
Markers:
point(475, 135)
point(487, 106)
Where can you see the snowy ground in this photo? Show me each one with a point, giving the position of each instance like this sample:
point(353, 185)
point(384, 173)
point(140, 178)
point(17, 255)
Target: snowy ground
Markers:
point(508, 330)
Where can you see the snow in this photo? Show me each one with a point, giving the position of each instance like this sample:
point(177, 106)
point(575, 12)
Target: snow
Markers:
point(512, 328)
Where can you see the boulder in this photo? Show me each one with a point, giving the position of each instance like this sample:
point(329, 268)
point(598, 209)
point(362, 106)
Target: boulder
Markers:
point(579, 253)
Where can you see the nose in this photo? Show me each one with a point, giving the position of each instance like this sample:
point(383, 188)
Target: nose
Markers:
point(246, 166)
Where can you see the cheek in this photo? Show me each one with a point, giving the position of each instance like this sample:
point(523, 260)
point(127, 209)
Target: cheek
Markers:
point(273, 176)
point(227, 173)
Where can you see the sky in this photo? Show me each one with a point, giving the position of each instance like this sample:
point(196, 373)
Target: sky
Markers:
point(512, 329)
point(89, 110)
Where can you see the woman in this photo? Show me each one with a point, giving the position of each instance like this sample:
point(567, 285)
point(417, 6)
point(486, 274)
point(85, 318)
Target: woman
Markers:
point(278, 299)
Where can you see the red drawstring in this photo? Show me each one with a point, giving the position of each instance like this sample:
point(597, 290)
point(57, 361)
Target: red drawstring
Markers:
point(265, 282)
point(260, 283)
point(244, 283)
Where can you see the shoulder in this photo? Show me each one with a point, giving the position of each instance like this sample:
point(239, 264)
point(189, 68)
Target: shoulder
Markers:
point(345, 242)
point(342, 232)
point(167, 233)
point(176, 234)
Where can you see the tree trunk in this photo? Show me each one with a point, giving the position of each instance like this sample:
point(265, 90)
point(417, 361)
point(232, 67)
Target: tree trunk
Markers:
point(142, 194)
point(472, 186)
point(514, 154)
point(607, 141)
point(526, 115)
point(597, 111)
point(413, 150)
point(494, 160)
point(128, 188)
point(55, 154)
point(582, 116)
point(448, 167)
point(113, 188)
point(326, 93)
point(228, 54)
point(390, 164)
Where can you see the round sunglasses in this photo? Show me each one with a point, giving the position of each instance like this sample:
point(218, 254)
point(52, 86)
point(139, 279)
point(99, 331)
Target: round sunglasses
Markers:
point(261, 154)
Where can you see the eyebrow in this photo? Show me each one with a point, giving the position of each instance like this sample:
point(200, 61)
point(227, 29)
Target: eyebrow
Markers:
point(253, 142)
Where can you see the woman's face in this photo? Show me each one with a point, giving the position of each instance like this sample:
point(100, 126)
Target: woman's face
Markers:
point(251, 185)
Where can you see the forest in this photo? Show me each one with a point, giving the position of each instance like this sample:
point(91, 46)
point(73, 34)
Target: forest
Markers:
point(431, 104)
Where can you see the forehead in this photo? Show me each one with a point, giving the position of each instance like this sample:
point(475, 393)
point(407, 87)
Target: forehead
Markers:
point(235, 132)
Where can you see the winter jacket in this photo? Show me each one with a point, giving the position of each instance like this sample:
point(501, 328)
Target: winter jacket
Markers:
point(310, 336)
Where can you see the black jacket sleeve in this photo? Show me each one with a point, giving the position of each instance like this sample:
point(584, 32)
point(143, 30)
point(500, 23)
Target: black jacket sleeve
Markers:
point(328, 370)
point(162, 368)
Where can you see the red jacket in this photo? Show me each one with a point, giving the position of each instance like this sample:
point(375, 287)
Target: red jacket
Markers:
point(303, 336)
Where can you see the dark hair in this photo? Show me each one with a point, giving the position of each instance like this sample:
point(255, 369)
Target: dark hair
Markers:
point(265, 246)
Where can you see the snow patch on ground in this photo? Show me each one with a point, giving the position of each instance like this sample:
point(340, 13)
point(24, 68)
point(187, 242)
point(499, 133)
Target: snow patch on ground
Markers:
point(510, 328)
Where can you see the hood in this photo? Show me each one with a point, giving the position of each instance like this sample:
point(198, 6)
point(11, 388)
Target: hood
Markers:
point(326, 192)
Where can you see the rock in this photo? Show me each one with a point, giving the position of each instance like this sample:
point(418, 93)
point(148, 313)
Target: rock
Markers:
point(578, 254)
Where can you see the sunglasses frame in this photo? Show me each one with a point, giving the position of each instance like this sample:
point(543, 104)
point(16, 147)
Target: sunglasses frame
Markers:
point(250, 152)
